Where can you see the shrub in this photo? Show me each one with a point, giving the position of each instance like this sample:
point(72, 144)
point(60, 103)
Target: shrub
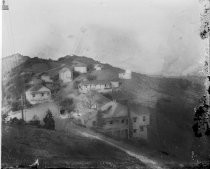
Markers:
point(17, 121)
point(67, 104)
point(49, 121)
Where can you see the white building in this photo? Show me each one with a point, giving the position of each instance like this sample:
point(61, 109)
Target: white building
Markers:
point(80, 67)
point(126, 75)
point(38, 94)
point(140, 120)
point(100, 86)
point(98, 67)
point(65, 75)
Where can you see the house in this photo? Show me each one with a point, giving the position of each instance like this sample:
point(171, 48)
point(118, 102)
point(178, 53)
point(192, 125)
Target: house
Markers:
point(115, 121)
point(87, 106)
point(98, 67)
point(126, 75)
point(38, 94)
point(65, 75)
point(80, 67)
point(46, 78)
point(140, 120)
point(100, 86)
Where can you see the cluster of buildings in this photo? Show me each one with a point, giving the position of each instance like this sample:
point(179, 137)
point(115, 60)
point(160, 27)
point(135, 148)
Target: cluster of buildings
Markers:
point(93, 109)
point(111, 117)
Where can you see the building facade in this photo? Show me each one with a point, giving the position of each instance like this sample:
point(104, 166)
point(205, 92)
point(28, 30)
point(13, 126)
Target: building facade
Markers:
point(38, 94)
point(115, 120)
point(65, 75)
point(100, 86)
point(140, 121)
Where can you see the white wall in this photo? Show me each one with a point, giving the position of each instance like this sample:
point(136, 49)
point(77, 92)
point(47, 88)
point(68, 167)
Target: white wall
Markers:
point(66, 76)
point(80, 69)
point(39, 98)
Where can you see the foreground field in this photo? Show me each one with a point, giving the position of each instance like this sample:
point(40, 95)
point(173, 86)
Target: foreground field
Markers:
point(24, 144)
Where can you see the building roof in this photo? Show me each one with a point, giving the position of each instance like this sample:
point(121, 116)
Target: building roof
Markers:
point(115, 110)
point(78, 64)
point(37, 88)
point(139, 109)
point(95, 82)
point(64, 69)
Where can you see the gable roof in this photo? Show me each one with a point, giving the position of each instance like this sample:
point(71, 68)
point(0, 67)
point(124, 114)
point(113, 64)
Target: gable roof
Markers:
point(139, 109)
point(95, 82)
point(64, 69)
point(37, 88)
point(78, 64)
point(114, 110)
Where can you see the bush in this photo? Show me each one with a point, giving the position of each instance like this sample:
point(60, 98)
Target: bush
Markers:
point(49, 121)
point(17, 121)
point(67, 104)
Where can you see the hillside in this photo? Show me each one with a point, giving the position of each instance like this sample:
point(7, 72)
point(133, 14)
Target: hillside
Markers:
point(24, 144)
point(171, 100)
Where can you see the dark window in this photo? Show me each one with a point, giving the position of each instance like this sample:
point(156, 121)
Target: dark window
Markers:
point(134, 119)
point(123, 121)
point(134, 130)
point(62, 111)
point(42, 94)
point(111, 122)
point(144, 118)
point(141, 128)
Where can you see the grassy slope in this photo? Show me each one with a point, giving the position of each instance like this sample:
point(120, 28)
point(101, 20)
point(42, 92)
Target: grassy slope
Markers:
point(21, 145)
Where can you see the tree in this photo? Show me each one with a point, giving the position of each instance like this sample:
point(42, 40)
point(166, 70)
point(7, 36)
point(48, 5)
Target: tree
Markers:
point(16, 105)
point(67, 104)
point(201, 124)
point(89, 101)
point(49, 121)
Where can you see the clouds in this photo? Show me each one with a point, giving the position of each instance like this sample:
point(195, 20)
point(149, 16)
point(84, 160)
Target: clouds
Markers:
point(152, 37)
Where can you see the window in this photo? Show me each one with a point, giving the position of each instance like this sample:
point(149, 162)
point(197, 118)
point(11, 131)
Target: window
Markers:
point(141, 128)
point(42, 94)
point(111, 122)
point(134, 119)
point(123, 121)
point(134, 130)
point(144, 118)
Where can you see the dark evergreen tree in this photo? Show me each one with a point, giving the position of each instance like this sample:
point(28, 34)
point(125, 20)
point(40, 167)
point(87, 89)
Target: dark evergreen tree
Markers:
point(49, 121)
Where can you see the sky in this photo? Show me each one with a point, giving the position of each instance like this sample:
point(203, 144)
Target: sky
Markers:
point(156, 37)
